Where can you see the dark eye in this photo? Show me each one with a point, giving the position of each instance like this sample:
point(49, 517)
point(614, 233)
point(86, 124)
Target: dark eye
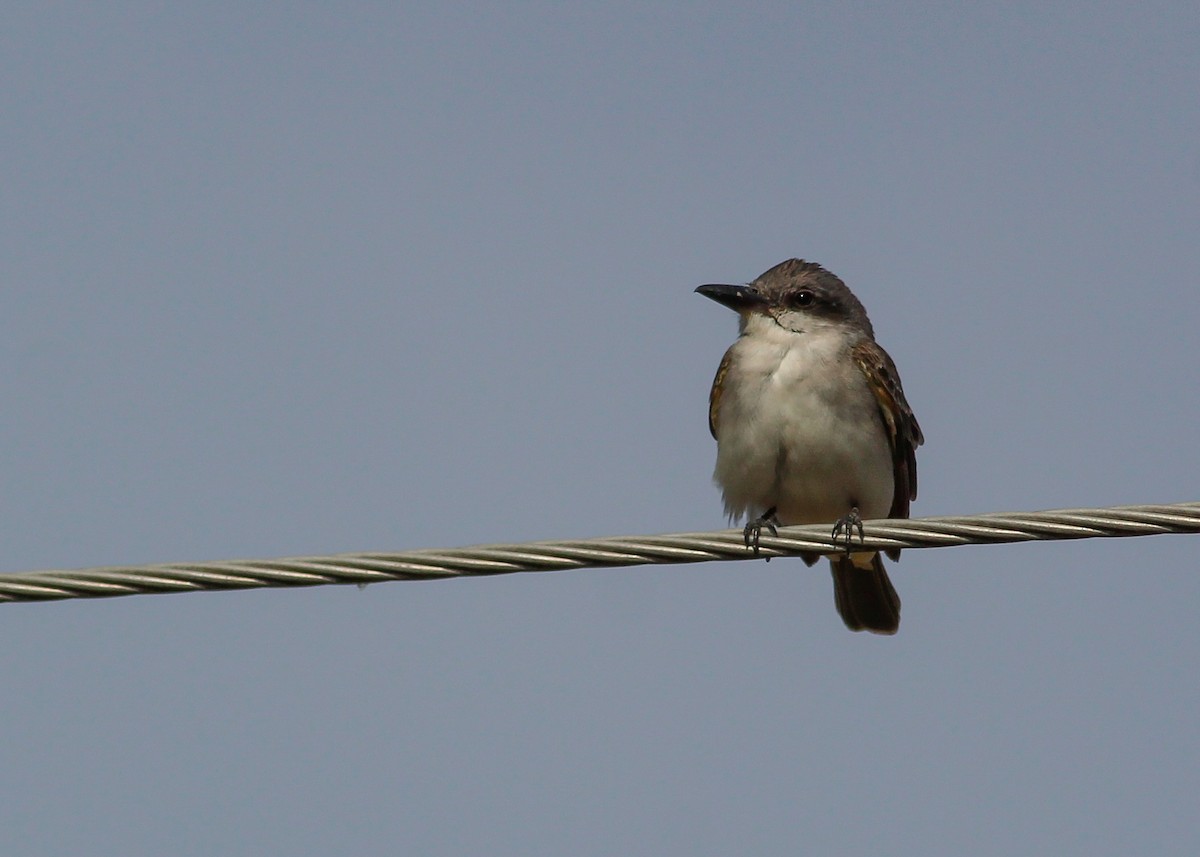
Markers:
point(803, 298)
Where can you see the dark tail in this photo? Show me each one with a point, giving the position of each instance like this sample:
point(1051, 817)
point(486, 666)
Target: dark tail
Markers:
point(865, 597)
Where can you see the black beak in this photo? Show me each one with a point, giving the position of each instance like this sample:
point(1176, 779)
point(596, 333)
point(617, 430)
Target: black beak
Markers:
point(737, 298)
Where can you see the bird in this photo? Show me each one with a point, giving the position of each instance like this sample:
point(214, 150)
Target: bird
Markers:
point(812, 426)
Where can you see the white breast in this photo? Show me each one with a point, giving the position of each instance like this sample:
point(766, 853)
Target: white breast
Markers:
point(800, 430)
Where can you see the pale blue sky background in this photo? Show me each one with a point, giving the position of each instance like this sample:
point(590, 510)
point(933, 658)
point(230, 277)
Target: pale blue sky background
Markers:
point(291, 279)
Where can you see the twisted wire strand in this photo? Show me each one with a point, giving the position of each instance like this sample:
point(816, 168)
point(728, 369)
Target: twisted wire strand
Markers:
point(363, 568)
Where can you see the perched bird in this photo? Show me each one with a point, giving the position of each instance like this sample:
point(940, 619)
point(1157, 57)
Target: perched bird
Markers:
point(812, 426)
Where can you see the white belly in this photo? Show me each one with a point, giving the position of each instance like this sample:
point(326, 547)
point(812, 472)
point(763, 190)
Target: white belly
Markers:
point(799, 430)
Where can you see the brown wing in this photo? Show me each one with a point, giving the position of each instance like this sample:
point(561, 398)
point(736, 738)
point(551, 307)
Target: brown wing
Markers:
point(903, 431)
point(714, 395)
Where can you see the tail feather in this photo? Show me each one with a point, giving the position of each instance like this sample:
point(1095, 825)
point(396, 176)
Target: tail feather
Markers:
point(865, 597)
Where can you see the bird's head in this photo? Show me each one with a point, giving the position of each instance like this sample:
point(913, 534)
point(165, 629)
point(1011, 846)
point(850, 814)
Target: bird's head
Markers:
point(798, 296)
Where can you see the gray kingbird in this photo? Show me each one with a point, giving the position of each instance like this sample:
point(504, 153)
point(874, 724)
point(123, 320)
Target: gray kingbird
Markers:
point(812, 426)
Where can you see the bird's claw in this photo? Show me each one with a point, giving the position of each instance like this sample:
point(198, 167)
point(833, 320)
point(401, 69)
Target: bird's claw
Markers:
point(845, 527)
point(753, 530)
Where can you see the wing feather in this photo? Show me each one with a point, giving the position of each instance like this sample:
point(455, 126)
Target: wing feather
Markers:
point(714, 395)
point(903, 430)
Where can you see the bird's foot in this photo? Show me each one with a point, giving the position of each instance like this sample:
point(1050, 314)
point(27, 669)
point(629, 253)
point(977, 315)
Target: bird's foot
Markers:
point(753, 530)
point(846, 525)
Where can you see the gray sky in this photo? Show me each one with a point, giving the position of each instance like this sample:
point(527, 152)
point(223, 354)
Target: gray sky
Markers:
point(280, 279)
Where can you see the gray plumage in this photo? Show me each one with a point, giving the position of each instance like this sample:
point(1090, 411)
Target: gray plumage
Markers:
point(811, 422)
